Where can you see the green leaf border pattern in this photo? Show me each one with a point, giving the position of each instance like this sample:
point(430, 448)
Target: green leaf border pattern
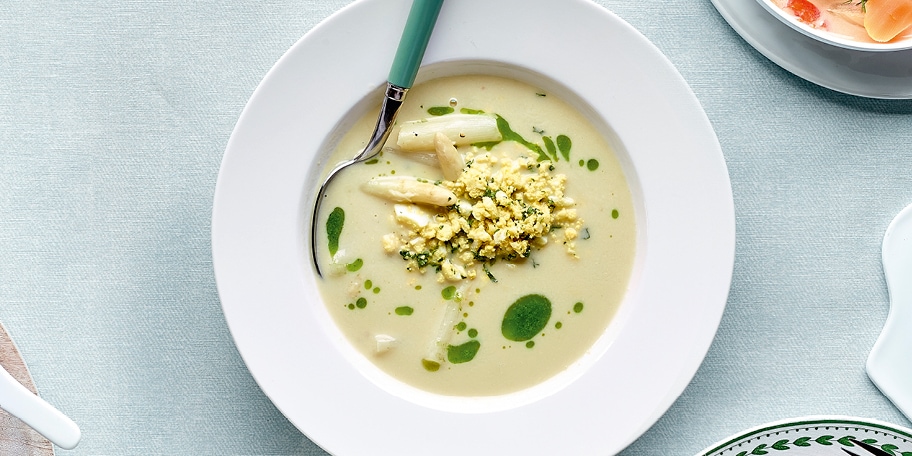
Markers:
point(841, 435)
point(823, 440)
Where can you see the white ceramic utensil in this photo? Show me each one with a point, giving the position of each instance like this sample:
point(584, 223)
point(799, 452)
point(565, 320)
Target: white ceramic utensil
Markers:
point(890, 363)
point(37, 413)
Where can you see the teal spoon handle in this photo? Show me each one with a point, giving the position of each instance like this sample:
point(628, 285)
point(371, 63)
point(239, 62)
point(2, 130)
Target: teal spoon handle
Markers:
point(414, 41)
point(412, 45)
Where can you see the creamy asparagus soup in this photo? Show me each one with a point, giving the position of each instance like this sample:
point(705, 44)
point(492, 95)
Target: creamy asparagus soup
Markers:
point(487, 248)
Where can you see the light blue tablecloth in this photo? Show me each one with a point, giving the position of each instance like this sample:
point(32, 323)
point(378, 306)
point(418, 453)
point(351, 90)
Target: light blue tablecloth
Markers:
point(113, 120)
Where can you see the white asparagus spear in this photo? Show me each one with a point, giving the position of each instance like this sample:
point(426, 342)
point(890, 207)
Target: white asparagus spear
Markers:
point(451, 161)
point(425, 158)
point(437, 350)
point(408, 189)
point(462, 129)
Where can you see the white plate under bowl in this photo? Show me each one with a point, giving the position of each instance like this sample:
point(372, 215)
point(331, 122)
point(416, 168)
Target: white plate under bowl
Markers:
point(831, 38)
point(816, 436)
point(886, 75)
point(685, 218)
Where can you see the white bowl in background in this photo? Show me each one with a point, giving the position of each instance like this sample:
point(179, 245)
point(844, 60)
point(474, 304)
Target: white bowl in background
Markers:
point(831, 38)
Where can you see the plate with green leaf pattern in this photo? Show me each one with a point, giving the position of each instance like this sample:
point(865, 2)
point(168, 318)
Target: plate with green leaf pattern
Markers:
point(817, 436)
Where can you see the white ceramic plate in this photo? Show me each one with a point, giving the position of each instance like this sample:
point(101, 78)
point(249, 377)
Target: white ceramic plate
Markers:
point(816, 436)
point(885, 75)
point(685, 219)
point(888, 363)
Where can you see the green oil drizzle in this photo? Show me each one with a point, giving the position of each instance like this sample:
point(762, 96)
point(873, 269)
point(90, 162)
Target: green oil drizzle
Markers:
point(361, 303)
point(404, 310)
point(530, 344)
point(355, 265)
point(509, 135)
point(430, 366)
point(334, 224)
point(615, 214)
point(449, 293)
point(526, 317)
point(463, 353)
point(558, 325)
point(461, 326)
point(563, 145)
point(471, 111)
point(592, 164)
point(549, 146)
point(473, 333)
point(440, 110)
point(578, 307)
point(368, 284)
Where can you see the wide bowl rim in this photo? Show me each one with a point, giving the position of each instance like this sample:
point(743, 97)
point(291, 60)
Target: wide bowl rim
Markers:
point(260, 199)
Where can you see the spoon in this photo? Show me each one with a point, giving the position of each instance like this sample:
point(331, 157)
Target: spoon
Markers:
point(412, 44)
point(34, 411)
point(889, 365)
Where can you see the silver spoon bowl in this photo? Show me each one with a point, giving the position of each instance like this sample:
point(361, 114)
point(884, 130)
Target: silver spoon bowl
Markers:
point(412, 44)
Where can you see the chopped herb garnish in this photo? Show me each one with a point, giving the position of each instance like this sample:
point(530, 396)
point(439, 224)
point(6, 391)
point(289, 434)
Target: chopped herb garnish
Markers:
point(422, 259)
point(488, 273)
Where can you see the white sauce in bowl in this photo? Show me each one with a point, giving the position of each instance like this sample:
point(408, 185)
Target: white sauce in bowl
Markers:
point(392, 316)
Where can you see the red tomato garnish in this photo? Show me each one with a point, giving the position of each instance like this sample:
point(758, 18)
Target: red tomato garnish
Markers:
point(805, 10)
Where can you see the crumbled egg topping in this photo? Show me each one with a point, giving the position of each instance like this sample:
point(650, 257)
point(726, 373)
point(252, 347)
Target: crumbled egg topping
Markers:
point(507, 207)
